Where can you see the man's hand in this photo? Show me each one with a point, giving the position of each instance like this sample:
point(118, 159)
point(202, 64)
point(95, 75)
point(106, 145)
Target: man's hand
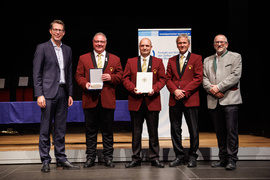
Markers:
point(70, 101)
point(41, 101)
point(214, 90)
point(219, 95)
point(136, 91)
point(179, 94)
point(106, 77)
point(87, 85)
point(151, 93)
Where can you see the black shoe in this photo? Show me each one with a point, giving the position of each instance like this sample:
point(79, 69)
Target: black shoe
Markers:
point(192, 162)
point(231, 166)
point(157, 163)
point(45, 168)
point(177, 162)
point(66, 165)
point(219, 164)
point(109, 163)
point(133, 164)
point(89, 163)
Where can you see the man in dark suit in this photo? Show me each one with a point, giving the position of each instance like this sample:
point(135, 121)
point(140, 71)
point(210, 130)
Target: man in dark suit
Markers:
point(184, 75)
point(52, 74)
point(144, 105)
point(99, 105)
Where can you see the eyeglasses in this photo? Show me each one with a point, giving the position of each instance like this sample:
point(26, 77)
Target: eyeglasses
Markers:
point(221, 42)
point(102, 42)
point(58, 30)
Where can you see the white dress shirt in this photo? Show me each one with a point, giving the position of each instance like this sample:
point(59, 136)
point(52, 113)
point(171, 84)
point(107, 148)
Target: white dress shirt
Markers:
point(60, 58)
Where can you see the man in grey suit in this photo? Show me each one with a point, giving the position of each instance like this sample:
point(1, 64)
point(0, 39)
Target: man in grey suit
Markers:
point(52, 75)
point(222, 73)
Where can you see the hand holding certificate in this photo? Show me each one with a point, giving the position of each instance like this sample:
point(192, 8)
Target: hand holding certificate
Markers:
point(95, 79)
point(144, 82)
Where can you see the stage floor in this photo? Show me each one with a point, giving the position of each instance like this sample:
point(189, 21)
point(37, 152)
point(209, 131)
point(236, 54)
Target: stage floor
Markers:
point(16, 149)
point(121, 140)
point(252, 170)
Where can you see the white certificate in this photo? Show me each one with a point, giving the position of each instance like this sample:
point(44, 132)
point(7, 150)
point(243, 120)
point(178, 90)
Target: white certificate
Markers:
point(95, 79)
point(144, 82)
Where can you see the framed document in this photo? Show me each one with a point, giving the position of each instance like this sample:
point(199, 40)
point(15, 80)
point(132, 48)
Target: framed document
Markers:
point(95, 79)
point(144, 82)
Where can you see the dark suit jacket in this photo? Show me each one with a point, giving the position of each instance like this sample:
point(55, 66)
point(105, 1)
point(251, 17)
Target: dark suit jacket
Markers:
point(189, 79)
point(46, 70)
point(129, 81)
point(113, 67)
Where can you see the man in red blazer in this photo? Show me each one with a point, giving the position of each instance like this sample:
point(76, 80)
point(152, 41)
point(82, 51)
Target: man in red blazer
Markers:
point(145, 105)
point(99, 105)
point(184, 75)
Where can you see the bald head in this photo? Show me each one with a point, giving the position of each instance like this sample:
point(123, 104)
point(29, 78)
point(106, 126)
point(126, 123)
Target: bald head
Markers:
point(145, 47)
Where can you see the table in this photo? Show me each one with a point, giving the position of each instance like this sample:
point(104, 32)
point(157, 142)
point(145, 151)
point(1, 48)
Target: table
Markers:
point(29, 112)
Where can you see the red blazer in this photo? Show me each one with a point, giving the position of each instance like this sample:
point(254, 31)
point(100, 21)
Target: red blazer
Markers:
point(112, 66)
point(129, 81)
point(189, 79)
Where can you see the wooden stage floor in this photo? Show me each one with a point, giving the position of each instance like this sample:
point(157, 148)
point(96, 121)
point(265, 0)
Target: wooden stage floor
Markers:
point(121, 141)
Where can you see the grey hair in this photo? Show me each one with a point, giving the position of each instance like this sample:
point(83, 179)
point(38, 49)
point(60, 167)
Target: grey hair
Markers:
point(182, 35)
point(221, 35)
point(100, 33)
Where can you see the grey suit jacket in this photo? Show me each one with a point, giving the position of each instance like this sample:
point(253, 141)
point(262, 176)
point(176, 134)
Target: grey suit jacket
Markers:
point(46, 70)
point(227, 77)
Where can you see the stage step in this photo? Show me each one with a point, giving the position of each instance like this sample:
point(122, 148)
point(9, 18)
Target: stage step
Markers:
point(16, 149)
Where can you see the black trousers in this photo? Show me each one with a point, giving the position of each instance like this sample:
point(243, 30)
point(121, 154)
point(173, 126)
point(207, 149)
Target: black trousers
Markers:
point(225, 120)
point(56, 109)
point(95, 119)
point(191, 116)
point(152, 118)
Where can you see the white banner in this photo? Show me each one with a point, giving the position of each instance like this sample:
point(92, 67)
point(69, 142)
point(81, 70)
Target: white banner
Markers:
point(164, 47)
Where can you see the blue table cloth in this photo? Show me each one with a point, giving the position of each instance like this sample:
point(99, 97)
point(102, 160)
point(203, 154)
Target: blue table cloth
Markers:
point(29, 112)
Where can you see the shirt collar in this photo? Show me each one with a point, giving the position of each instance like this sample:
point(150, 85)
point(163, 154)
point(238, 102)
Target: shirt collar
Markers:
point(54, 45)
point(222, 54)
point(147, 58)
point(102, 54)
point(186, 53)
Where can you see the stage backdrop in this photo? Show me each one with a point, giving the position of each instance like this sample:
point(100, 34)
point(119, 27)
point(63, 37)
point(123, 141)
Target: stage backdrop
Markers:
point(164, 47)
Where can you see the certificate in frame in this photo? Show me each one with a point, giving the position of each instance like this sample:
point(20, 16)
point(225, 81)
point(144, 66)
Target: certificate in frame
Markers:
point(95, 79)
point(144, 82)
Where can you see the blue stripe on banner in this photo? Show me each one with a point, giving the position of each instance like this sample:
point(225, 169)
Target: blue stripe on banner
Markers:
point(174, 32)
point(145, 33)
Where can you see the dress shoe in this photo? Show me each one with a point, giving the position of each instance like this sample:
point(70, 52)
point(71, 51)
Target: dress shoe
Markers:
point(133, 164)
point(219, 164)
point(231, 166)
point(192, 162)
point(89, 163)
point(66, 165)
point(177, 162)
point(157, 163)
point(109, 163)
point(45, 168)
